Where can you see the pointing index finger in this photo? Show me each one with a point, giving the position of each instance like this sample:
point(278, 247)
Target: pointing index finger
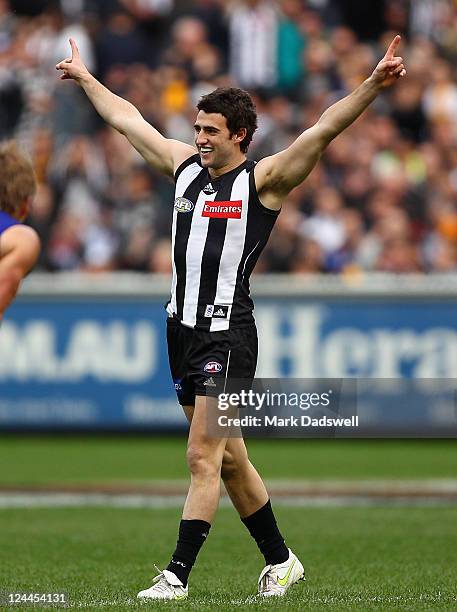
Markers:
point(74, 48)
point(390, 53)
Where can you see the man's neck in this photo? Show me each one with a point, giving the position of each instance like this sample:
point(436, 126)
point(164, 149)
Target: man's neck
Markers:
point(216, 172)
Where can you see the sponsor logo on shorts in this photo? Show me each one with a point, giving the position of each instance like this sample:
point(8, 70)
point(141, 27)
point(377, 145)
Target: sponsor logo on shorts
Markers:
point(183, 205)
point(178, 386)
point(209, 382)
point(209, 310)
point(223, 210)
point(212, 367)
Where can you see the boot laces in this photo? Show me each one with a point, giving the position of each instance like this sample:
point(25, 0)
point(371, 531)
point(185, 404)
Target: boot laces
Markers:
point(160, 583)
point(270, 581)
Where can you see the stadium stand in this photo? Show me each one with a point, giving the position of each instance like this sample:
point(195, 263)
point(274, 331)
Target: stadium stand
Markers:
point(383, 197)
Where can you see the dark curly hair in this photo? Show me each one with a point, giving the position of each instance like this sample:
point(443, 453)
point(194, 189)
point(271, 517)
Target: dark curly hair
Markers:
point(237, 107)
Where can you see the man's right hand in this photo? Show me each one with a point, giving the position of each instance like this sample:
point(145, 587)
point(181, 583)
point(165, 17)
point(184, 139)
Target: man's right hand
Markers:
point(163, 154)
point(73, 67)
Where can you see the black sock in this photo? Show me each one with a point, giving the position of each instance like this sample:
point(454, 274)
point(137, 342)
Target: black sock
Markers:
point(263, 528)
point(192, 534)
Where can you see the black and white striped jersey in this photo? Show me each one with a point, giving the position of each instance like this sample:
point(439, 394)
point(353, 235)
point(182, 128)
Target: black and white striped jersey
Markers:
point(219, 230)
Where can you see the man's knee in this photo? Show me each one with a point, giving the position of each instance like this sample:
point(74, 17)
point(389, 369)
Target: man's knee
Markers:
point(202, 462)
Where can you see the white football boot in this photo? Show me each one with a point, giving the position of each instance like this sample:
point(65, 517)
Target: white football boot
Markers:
point(276, 579)
point(165, 586)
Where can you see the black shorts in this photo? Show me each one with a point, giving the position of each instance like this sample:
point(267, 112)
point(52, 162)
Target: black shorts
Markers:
point(201, 360)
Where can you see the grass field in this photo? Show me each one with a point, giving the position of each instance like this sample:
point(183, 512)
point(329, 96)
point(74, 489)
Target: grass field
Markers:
point(378, 557)
point(45, 460)
point(355, 558)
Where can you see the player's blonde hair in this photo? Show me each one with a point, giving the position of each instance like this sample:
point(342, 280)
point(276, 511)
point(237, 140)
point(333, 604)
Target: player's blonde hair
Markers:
point(17, 178)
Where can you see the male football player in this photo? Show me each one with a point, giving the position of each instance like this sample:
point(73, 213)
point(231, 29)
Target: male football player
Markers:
point(225, 207)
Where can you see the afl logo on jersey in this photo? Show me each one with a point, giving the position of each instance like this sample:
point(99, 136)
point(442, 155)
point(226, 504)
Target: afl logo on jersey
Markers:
point(183, 205)
point(212, 367)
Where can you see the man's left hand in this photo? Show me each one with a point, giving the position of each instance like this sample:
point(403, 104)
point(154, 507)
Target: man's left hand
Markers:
point(390, 68)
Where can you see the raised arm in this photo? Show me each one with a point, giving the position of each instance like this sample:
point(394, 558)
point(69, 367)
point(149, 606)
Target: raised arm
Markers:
point(278, 174)
point(162, 153)
point(19, 250)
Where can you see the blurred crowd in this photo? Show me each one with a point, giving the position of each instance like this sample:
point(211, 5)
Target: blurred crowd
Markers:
point(383, 196)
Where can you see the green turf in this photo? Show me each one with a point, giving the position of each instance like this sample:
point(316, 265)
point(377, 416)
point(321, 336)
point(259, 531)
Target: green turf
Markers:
point(383, 558)
point(47, 459)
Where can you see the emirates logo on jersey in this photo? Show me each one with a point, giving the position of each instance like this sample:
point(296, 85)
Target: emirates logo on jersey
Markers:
point(223, 210)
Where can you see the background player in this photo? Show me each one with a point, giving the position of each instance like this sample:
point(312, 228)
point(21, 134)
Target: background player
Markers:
point(222, 151)
point(19, 244)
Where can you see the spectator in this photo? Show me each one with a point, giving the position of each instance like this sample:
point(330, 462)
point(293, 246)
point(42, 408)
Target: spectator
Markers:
point(440, 97)
point(253, 43)
point(120, 42)
point(211, 13)
point(325, 226)
point(291, 44)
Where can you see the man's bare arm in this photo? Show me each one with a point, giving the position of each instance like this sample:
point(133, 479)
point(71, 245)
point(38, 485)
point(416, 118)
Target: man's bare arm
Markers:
point(162, 153)
point(278, 174)
point(19, 250)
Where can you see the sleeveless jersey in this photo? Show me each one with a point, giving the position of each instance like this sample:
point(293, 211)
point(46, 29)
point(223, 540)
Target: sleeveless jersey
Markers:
point(6, 221)
point(219, 229)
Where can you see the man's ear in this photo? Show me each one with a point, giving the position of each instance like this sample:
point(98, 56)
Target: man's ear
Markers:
point(24, 209)
point(240, 135)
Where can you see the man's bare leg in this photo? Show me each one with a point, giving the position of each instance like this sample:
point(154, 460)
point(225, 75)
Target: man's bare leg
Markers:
point(204, 458)
point(244, 485)
point(250, 498)
point(242, 481)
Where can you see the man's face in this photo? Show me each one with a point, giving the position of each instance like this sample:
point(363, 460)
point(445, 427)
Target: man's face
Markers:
point(216, 146)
